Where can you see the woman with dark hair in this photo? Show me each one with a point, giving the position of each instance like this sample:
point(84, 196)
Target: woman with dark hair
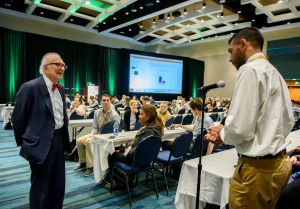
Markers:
point(153, 126)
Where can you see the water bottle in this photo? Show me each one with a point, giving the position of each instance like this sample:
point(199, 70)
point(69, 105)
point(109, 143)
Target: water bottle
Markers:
point(116, 128)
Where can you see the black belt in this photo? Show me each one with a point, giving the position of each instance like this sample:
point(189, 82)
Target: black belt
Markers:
point(269, 156)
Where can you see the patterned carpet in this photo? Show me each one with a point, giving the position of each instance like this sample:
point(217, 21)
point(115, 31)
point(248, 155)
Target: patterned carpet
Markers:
point(81, 192)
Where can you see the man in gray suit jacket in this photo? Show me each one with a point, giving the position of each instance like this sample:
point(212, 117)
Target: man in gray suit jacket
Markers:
point(40, 125)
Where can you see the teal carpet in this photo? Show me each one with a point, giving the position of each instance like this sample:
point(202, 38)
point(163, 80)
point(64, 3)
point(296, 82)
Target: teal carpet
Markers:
point(81, 192)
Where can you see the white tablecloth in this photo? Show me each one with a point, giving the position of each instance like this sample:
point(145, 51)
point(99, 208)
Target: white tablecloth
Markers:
point(217, 170)
point(1, 108)
point(74, 124)
point(102, 146)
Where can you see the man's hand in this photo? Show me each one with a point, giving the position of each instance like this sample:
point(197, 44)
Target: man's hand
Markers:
point(213, 135)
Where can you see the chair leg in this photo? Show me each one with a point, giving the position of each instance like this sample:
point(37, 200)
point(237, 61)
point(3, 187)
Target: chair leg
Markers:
point(156, 190)
point(164, 175)
point(128, 191)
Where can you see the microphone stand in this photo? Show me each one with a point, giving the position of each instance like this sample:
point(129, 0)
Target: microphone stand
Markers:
point(203, 97)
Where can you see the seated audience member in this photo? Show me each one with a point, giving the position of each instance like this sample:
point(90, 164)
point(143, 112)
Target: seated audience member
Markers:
point(131, 116)
point(126, 103)
point(115, 101)
point(163, 112)
point(83, 143)
point(145, 100)
point(195, 127)
point(289, 197)
point(94, 104)
point(78, 107)
point(76, 95)
point(153, 126)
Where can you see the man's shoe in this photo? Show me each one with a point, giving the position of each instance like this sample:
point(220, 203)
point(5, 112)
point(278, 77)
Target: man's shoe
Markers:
point(82, 166)
point(89, 172)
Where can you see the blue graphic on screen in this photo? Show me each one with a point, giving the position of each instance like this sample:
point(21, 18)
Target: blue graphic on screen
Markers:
point(149, 74)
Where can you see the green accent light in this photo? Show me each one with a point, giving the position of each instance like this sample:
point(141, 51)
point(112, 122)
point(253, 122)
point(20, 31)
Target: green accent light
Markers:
point(37, 1)
point(296, 82)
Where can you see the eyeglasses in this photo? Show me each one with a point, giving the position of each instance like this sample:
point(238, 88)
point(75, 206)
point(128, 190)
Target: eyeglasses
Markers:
point(59, 65)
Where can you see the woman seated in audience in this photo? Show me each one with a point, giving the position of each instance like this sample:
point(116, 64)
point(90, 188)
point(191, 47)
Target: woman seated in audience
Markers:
point(78, 107)
point(131, 116)
point(195, 127)
point(153, 126)
point(94, 104)
point(289, 197)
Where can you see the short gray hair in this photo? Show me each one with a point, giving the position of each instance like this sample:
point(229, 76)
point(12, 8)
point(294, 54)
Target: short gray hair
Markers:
point(44, 60)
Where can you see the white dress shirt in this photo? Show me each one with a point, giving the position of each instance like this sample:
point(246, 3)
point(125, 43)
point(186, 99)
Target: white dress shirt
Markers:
point(57, 104)
point(260, 116)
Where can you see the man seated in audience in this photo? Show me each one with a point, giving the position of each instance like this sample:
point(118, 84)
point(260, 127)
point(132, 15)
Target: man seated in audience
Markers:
point(78, 107)
point(83, 143)
point(163, 112)
point(131, 116)
point(195, 127)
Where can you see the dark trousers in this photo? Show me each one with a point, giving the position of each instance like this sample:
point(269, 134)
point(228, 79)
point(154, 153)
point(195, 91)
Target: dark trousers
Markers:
point(48, 179)
point(289, 198)
point(112, 158)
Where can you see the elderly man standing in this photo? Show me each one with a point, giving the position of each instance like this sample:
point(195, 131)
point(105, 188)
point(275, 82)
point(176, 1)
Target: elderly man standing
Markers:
point(41, 129)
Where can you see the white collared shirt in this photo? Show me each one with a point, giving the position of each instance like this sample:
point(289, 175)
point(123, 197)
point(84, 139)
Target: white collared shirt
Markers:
point(57, 104)
point(260, 115)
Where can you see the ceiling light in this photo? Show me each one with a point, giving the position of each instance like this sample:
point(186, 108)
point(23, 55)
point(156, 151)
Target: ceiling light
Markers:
point(204, 5)
point(141, 7)
point(6, 4)
point(222, 14)
point(154, 21)
point(122, 32)
point(134, 10)
point(253, 20)
point(288, 23)
point(279, 2)
point(127, 13)
point(129, 29)
point(41, 13)
point(71, 20)
point(239, 12)
point(157, 1)
point(169, 16)
point(185, 12)
point(104, 23)
point(236, 23)
point(141, 26)
point(201, 20)
point(114, 18)
point(87, 2)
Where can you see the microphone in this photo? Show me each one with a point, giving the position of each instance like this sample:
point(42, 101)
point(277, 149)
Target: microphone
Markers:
point(219, 84)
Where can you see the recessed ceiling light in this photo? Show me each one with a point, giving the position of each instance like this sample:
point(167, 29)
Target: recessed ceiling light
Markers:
point(253, 20)
point(288, 23)
point(104, 23)
point(129, 29)
point(87, 2)
point(141, 7)
point(122, 32)
point(239, 12)
point(41, 13)
point(127, 13)
point(157, 1)
point(6, 4)
point(114, 18)
point(71, 20)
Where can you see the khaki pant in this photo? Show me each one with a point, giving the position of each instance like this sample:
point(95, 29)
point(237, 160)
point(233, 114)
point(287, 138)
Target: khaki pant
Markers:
point(83, 144)
point(257, 183)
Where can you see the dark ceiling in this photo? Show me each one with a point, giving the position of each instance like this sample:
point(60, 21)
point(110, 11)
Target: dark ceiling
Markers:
point(169, 22)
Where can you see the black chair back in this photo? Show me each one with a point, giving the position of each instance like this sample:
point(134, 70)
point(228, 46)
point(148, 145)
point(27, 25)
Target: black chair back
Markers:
point(138, 125)
point(297, 125)
point(121, 125)
point(146, 151)
point(177, 119)
point(91, 115)
point(181, 111)
point(188, 119)
point(169, 122)
point(74, 116)
point(214, 116)
point(181, 144)
point(107, 128)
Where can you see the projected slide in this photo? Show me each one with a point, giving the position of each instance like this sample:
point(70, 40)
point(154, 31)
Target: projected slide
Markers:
point(149, 74)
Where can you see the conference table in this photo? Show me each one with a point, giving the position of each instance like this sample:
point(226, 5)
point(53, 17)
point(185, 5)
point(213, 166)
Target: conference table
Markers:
point(74, 124)
point(217, 170)
point(104, 144)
